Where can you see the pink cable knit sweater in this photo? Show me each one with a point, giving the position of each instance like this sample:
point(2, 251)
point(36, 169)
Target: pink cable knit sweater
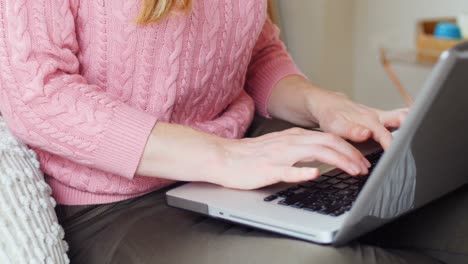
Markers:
point(83, 85)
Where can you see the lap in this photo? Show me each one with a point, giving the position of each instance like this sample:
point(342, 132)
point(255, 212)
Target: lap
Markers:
point(439, 229)
point(146, 230)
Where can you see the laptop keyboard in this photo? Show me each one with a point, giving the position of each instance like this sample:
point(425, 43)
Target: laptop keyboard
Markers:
point(333, 193)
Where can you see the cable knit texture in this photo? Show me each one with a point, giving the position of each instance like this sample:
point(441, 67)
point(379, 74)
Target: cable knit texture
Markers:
point(29, 229)
point(83, 85)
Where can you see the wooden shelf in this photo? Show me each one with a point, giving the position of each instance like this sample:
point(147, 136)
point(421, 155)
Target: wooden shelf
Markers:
point(407, 56)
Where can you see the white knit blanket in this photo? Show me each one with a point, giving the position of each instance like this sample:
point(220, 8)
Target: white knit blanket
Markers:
point(29, 230)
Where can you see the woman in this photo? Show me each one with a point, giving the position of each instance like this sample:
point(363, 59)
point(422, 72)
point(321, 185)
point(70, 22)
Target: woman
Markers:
point(120, 99)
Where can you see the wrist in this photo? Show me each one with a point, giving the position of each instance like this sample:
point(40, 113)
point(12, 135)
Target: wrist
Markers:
point(216, 160)
point(319, 100)
point(313, 99)
point(289, 101)
point(180, 153)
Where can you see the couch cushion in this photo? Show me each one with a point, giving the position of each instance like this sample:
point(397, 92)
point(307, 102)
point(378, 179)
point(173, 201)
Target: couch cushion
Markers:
point(29, 230)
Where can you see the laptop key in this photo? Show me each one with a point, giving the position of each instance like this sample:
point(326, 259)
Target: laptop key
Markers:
point(285, 202)
point(330, 190)
point(352, 181)
point(328, 199)
point(323, 186)
point(341, 186)
point(293, 189)
point(270, 198)
point(335, 213)
point(332, 209)
point(333, 181)
point(311, 192)
point(307, 184)
point(344, 192)
point(284, 194)
point(323, 211)
point(321, 179)
point(312, 207)
point(347, 208)
point(343, 176)
point(297, 205)
point(333, 173)
point(281, 194)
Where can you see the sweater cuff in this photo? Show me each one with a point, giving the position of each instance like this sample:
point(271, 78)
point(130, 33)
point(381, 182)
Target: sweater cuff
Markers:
point(265, 80)
point(122, 144)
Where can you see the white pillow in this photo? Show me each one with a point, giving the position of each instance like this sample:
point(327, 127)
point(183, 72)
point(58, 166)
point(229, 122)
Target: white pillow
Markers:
point(29, 230)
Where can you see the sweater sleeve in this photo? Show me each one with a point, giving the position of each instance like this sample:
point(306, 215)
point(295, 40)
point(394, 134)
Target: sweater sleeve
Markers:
point(49, 105)
point(270, 63)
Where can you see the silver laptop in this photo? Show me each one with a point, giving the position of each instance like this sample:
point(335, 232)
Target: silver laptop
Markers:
point(427, 159)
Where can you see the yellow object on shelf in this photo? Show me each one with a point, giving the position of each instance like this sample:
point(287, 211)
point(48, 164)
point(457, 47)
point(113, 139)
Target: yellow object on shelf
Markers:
point(428, 46)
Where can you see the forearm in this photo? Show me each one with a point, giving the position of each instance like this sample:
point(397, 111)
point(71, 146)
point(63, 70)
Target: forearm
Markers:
point(180, 153)
point(293, 99)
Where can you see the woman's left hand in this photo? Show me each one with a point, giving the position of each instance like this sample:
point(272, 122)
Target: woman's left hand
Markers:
point(337, 114)
point(298, 101)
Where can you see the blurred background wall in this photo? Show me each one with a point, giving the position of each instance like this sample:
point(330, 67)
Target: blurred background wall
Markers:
point(318, 34)
point(336, 42)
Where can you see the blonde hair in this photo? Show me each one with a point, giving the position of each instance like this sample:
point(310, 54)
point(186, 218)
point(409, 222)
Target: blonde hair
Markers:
point(153, 11)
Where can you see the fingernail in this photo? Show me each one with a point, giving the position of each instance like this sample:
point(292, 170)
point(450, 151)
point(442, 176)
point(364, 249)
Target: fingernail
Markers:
point(364, 167)
point(368, 164)
point(365, 171)
point(365, 133)
point(354, 169)
point(312, 172)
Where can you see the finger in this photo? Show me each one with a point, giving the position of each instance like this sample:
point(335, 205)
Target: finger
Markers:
point(284, 134)
point(293, 174)
point(404, 110)
point(393, 119)
point(350, 130)
point(347, 149)
point(338, 144)
point(357, 132)
point(326, 155)
point(380, 134)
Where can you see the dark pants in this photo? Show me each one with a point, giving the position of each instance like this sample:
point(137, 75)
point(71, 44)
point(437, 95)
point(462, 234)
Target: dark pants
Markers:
point(146, 230)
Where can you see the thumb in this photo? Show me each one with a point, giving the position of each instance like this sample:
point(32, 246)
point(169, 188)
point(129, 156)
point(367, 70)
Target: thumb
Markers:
point(294, 174)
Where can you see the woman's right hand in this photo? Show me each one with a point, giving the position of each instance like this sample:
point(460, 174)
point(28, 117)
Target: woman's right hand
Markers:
point(253, 163)
point(179, 153)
